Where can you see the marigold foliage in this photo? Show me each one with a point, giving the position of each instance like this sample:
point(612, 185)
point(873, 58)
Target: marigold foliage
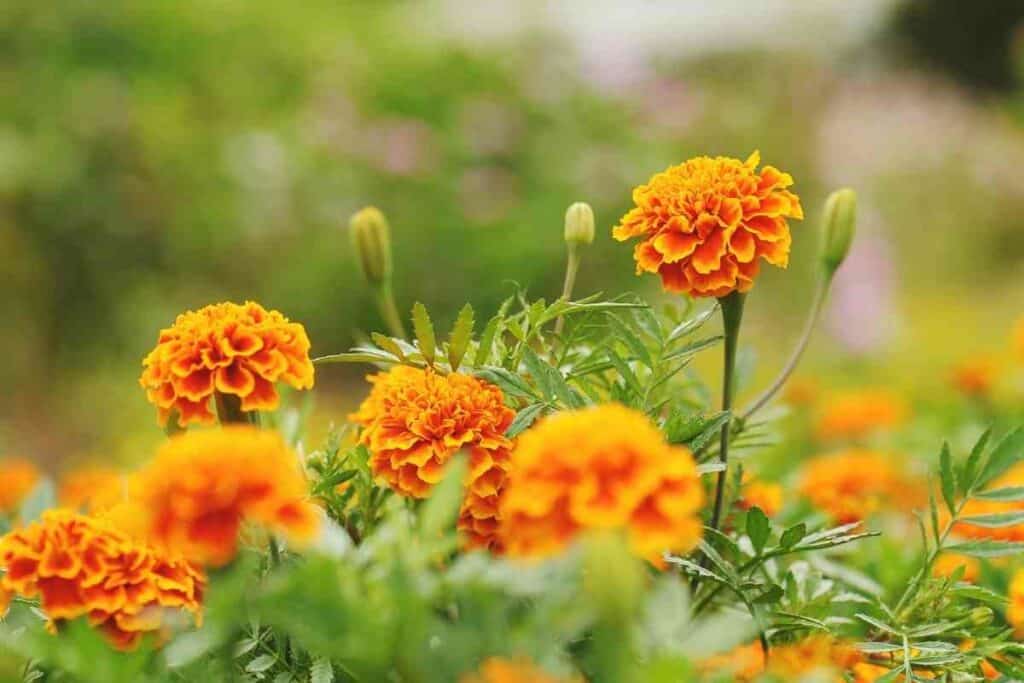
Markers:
point(237, 350)
point(414, 421)
point(705, 225)
point(605, 467)
point(86, 566)
point(202, 485)
point(856, 414)
point(502, 670)
point(977, 508)
point(851, 485)
point(17, 479)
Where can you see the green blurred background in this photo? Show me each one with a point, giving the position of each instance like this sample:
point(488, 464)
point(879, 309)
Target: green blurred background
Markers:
point(157, 156)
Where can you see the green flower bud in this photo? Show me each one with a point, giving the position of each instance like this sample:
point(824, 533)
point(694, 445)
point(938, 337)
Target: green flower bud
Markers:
point(838, 226)
point(980, 616)
point(371, 240)
point(579, 224)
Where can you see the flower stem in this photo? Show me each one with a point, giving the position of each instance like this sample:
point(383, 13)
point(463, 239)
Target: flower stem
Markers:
point(732, 316)
point(813, 315)
point(572, 267)
point(229, 409)
point(388, 309)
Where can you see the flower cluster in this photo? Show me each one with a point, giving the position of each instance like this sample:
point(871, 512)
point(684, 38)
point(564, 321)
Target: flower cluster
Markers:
point(415, 420)
point(17, 478)
point(857, 414)
point(706, 224)
point(501, 670)
point(605, 467)
point(85, 566)
point(852, 485)
point(819, 654)
point(228, 349)
point(202, 485)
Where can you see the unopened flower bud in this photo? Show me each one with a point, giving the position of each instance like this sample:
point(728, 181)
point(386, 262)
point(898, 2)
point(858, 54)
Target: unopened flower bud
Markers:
point(980, 616)
point(371, 239)
point(579, 224)
point(839, 223)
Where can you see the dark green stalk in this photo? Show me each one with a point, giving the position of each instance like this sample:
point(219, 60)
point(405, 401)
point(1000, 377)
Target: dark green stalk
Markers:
point(732, 316)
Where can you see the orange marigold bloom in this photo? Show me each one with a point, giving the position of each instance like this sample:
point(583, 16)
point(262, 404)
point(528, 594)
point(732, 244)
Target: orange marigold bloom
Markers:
point(820, 654)
point(974, 508)
point(415, 420)
point(766, 495)
point(17, 479)
point(501, 670)
point(853, 484)
point(1015, 611)
point(605, 467)
point(91, 488)
point(975, 376)
point(202, 485)
point(237, 350)
point(947, 563)
point(1018, 338)
point(705, 224)
point(859, 413)
point(87, 566)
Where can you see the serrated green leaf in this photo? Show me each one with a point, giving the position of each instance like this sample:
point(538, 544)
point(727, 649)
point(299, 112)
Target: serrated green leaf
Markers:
point(947, 478)
point(525, 418)
point(321, 671)
point(358, 355)
point(388, 344)
point(987, 548)
point(773, 594)
point(1009, 451)
point(423, 328)
point(625, 372)
point(996, 520)
point(712, 430)
point(692, 348)
point(792, 536)
point(758, 528)
point(1009, 494)
point(877, 623)
point(509, 382)
point(260, 664)
point(458, 339)
point(483, 350)
point(969, 479)
point(628, 337)
point(687, 326)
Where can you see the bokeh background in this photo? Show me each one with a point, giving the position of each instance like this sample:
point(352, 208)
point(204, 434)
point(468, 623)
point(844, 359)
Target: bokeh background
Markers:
point(159, 156)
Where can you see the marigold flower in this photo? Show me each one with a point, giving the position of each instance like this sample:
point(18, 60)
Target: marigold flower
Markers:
point(766, 495)
point(91, 489)
point(851, 485)
point(202, 485)
point(1018, 338)
point(1015, 610)
point(226, 348)
point(501, 670)
point(975, 508)
point(601, 468)
point(87, 566)
point(789, 661)
point(975, 376)
point(17, 479)
point(947, 563)
point(705, 224)
point(414, 421)
point(857, 414)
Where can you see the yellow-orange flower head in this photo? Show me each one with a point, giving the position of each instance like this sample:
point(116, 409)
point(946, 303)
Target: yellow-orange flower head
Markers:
point(414, 421)
point(91, 488)
point(87, 566)
point(818, 654)
point(237, 350)
point(857, 414)
point(1015, 610)
point(502, 670)
point(975, 376)
point(1018, 339)
point(17, 479)
point(705, 225)
point(202, 485)
point(851, 485)
point(605, 467)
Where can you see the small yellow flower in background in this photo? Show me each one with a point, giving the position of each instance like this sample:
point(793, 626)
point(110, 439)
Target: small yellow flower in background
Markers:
point(1018, 339)
point(755, 492)
point(202, 485)
point(601, 468)
point(501, 670)
point(17, 479)
point(851, 485)
point(947, 563)
point(226, 348)
point(974, 507)
point(87, 566)
point(705, 224)
point(414, 421)
point(857, 414)
point(975, 376)
point(91, 488)
point(1015, 611)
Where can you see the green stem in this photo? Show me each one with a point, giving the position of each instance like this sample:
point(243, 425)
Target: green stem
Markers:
point(388, 309)
point(229, 409)
point(817, 306)
point(572, 267)
point(732, 316)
